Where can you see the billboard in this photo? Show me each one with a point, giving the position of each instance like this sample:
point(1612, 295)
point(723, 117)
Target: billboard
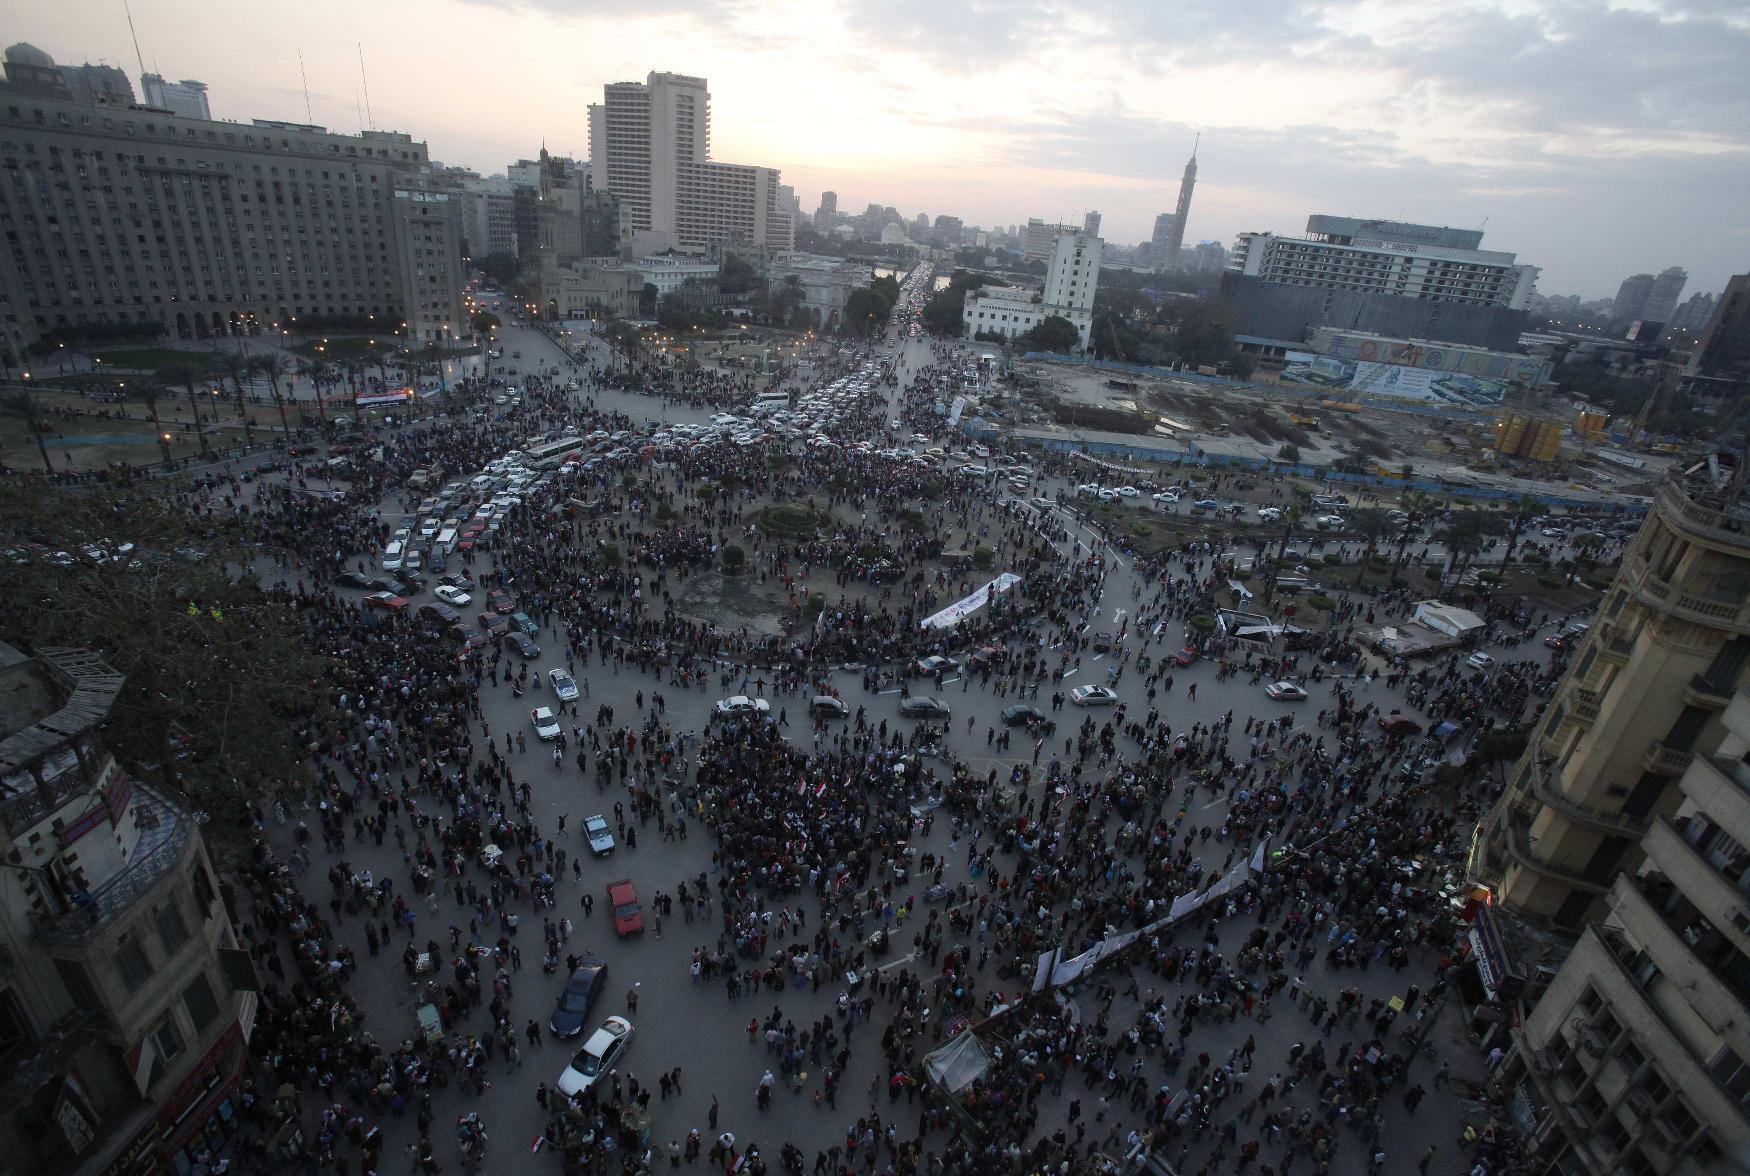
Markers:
point(1393, 381)
point(1361, 347)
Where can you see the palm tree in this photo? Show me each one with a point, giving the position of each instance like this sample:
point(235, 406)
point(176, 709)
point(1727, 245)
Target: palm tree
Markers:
point(150, 394)
point(273, 365)
point(1522, 511)
point(188, 375)
point(1415, 504)
point(318, 370)
point(22, 405)
point(1372, 525)
point(1463, 536)
point(1290, 516)
point(237, 366)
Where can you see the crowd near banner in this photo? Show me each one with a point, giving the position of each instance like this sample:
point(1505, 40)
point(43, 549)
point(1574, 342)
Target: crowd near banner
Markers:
point(961, 609)
point(1053, 971)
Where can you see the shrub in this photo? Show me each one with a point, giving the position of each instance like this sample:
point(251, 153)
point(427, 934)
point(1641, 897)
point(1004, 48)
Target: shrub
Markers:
point(664, 512)
point(734, 559)
point(1243, 576)
point(1431, 574)
point(1597, 583)
point(814, 605)
point(1331, 559)
point(983, 557)
point(1289, 452)
point(789, 520)
point(1549, 581)
point(1201, 623)
point(1322, 603)
point(611, 552)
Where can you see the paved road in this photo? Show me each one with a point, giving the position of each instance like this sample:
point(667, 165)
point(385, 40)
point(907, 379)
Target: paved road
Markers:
point(696, 1027)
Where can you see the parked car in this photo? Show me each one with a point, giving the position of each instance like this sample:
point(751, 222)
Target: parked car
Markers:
point(825, 706)
point(922, 706)
point(1102, 642)
point(1398, 724)
point(441, 613)
point(1022, 715)
point(930, 666)
point(741, 704)
point(523, 623)
point(599, 836)
point(1091, 695)
point(386, 601)
point(623, 903)
point(546, 724)
point(597, 1057)
point(351, 579)
point(1187, 656)
point(451, 595)
point(523, 644)
point(1285, 692)
point(1479, 660)
point(582, 990)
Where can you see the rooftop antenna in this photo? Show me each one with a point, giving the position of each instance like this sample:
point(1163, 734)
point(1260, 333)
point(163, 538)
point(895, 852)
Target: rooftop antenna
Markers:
point(1195, 143)
point(359, 110)
point(308, 117)
point(369, 121)
point(139, 56)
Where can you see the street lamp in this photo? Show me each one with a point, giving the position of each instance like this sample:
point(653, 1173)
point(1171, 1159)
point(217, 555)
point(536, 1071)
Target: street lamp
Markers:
point(164, 440)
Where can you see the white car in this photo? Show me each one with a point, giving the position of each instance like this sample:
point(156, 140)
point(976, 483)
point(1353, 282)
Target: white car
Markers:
point(1108, 496)
point(1269, 513)
point(1166, 496)
point(1092, 696)
point(564, 688)
point(1129, 492)
point(451, 595)
point(1088, 488)
point(741, 704)
point(546, 724)
point(597, 1057)
point(1479, 660)
point(1285, 692)
point(599, 836)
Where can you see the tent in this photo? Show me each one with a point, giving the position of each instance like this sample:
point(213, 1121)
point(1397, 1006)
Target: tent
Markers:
point(957, 1063)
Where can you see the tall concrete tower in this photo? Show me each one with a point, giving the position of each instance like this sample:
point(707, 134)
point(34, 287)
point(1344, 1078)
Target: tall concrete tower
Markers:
point(1187, 183)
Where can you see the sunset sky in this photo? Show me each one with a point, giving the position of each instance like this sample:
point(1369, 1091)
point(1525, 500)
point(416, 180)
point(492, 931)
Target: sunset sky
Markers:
point(1596, 139)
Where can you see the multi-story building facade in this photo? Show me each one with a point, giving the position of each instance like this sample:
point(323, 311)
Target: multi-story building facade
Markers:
point(1636, 1059)
point(1661, 305)
point(828, 212)
point(574, 289)
point(1631, 298)
point(1642, 702)
point(125, 998)
point(187, 98)
point(1071, 278)
point(428, 243)
point(650, 146)
point(1387, 277)
point(488, 216)
point(826, 284)
point(118, 216)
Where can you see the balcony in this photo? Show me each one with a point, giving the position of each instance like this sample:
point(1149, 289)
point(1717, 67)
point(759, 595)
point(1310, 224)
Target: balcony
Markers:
point(1667, 761)
point(1548, 790)
point(157, 853)
point(1688, 948)
point(1583, 705)
point(1519, 849)
point(1704, 692)
point(1725, 525)
point(1667, 598)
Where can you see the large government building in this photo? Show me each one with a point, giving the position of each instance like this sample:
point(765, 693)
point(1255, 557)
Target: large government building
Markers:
point(116, 213)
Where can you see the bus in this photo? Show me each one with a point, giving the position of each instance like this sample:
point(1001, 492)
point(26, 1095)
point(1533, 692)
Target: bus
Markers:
point(552, 454)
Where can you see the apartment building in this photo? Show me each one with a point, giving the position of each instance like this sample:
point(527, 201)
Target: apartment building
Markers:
point(125, 1004)
point(650, 146)
point(1642, 702)
point(1071, 277)
point(428, 243)
point(1637, 1058)
point(117, 215)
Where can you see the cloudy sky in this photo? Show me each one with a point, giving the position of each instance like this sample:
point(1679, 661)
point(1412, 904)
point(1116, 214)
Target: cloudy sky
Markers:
point(1595, 138)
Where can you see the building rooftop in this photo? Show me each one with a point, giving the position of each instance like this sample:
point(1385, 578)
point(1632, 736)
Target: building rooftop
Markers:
point(79, 680)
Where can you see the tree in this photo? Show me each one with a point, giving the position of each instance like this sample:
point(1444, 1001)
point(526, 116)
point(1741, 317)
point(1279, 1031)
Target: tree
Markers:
point(188, 375)
point(485, 322)
point(1372, 524)
point(1415, 503)
point(1463, 537)
point(149, 394)
point(1054, 333)
point(1523, 510)
point(864, 314)
point(320, 372)
point(1290, 452)
point(22, 405)
point(236, 366)
point(214, 669)
point(1242, 365)
point(500, 267)
point(273, 366)
point(734, 558)
point(1205, 331)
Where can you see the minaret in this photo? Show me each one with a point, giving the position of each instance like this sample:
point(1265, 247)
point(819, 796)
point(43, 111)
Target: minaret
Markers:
point(1187, 183)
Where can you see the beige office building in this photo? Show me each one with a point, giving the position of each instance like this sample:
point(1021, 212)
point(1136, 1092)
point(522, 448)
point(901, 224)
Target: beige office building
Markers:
point(1636, 1060)
point(125, 1004)
point(118, 215)
point(1640, 705)
point(650, 147)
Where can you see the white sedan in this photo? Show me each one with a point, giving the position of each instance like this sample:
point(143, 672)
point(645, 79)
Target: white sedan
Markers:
point(741, 704)
point(564, 687)
point(597, 1057)
point(452, 596)
point(1129, 492)
point(1285, 692)
point(1092, 696)
point(1166, 496)
point(546, 723)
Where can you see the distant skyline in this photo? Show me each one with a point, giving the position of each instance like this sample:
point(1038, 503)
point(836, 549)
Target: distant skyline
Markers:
point(1596, 138)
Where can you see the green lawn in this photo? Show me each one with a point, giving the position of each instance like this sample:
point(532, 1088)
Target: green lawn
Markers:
point(151, 359)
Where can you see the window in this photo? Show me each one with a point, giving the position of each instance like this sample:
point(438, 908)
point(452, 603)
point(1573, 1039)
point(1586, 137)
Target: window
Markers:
point(200, 1004)
point(172, 931)
point(166, 1039)
point(131, 963)
point(77, 980)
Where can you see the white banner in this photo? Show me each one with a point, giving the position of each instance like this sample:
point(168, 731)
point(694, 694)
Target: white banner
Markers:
point(954, 411)
point(961, 609)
